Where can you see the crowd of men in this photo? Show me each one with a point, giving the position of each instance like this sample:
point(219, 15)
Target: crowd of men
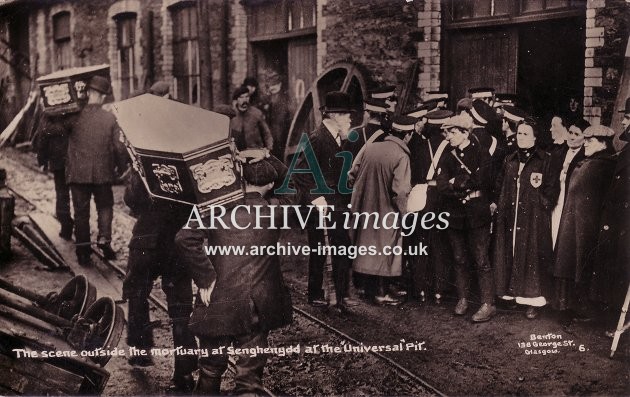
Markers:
point(536, 217)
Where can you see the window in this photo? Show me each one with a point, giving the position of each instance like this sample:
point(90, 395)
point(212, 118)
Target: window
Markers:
point(465, 10)
point(125, 34)
point(186, 76)
point(281, 18)
point(302, 14)
point(62, 42)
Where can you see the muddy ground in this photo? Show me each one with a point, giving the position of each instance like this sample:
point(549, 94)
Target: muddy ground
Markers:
point(459, 357)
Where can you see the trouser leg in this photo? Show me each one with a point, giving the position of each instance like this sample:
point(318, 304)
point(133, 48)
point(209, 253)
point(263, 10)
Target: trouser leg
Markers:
point(460, 256)
point(316, 263)
point(211, 368)
point(341, 263)
point(81, 196)
point(137, 286)
point(62, 201)
point(249, 370)
point(478, 241)
point(104, 199)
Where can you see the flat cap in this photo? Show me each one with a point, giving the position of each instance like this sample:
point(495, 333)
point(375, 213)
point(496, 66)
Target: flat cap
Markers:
point(459, 121)
point(599, 131)
point(259, 173)
point(160, 88)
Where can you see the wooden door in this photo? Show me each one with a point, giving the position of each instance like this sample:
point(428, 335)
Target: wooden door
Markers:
point(302, 68)
point(486, 58)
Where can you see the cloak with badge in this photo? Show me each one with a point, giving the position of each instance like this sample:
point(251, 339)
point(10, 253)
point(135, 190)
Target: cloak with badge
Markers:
point(523, 254)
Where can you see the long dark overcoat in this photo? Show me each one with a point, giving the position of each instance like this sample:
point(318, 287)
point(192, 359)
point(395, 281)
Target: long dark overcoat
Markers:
point(249, 294)
point(579, 225)
point(523, 269)
point(612, 269)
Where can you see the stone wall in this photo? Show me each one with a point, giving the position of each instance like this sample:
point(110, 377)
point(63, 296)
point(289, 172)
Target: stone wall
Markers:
point(382, 35)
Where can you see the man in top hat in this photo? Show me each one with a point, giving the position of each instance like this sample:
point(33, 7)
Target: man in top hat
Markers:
point(241, 297)
point(612, 267)
point(327, 143)
point(464, 179)
point(383, 182)
point(95, 157)
point(249, 129)
point(485, 94)
point(427, 146)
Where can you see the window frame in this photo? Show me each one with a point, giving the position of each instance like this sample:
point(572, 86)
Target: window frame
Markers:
point(62, 44)
point(130, 78)
point(191, 44)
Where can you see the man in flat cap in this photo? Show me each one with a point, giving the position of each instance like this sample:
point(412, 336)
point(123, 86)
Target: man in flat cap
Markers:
point(95, 157)
point(241, 297)
point(576, 245)
point(612, 267)
point(327, 143)
point(465, 181)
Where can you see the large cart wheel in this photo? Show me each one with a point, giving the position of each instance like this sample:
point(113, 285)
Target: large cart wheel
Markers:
point(346, 77)
point(73, 299)
point(100, 328)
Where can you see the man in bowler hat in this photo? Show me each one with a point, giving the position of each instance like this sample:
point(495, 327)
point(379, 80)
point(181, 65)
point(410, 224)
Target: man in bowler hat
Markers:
point(95, 157)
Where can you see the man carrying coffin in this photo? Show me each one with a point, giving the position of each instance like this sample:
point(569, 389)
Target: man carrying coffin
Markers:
point(241, 298)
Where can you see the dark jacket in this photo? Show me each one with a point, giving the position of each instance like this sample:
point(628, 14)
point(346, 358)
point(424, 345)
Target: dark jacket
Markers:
point(612, 267)
point(157, 220)
point(420, 161)
point(249, 293)
point(52, 146)
point(279, 121)
point(95, 152)
point(579, 225)
point(473, 213)
point(524, 198)
point(325, 149)
point(481, 136)
point(250, 131)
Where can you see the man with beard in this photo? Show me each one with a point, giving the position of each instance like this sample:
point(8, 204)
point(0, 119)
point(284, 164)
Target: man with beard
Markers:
point(249, 129)
point(612, 267)
point(327, 144)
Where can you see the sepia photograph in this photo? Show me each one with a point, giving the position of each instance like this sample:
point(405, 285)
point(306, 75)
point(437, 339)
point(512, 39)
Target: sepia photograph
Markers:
point(314, 197)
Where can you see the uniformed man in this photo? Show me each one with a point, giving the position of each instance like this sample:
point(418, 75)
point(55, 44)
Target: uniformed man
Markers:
point(427, 146)
point(241, 298)
point(485, 94)
point(465, 179)
point(503, 99)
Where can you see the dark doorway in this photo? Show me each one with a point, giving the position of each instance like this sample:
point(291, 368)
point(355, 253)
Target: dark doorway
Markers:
point(550, 66)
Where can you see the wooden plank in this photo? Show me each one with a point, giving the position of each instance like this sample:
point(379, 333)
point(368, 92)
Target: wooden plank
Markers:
point(100, 275)
point(34, 376)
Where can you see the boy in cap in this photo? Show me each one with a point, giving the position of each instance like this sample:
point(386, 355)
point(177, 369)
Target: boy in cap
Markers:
point(465, 181)
point(95, 156)
point(247, 293)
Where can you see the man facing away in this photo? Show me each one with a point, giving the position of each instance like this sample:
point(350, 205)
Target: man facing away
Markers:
point(95, 155)
point(241, 298)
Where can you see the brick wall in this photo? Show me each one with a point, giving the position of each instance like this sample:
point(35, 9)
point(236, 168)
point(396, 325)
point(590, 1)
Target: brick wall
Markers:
point(607, 29)
point(382, 35)
point(237, 46)
point(429, 20)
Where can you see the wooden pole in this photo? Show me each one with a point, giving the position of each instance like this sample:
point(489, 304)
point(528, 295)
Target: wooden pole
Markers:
point(7, 208)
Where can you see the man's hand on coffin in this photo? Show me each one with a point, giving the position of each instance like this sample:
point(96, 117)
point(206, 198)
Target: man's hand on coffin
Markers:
point(205, 293)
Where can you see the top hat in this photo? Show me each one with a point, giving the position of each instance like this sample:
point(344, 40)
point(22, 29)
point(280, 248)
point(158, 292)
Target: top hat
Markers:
point(337, 102)
point(100, 84)
point(627, 109)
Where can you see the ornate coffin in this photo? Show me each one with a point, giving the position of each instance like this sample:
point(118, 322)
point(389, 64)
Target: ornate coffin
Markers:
point(64, 91)
point(183, 153)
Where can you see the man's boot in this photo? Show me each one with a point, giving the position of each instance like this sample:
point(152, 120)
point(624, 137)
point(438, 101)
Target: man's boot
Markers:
point(67, 227)
point(108, 252)
point(84, 256)
point(461, 307)
point(485, 313)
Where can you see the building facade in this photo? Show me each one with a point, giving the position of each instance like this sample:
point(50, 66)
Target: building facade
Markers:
point(545, 51)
